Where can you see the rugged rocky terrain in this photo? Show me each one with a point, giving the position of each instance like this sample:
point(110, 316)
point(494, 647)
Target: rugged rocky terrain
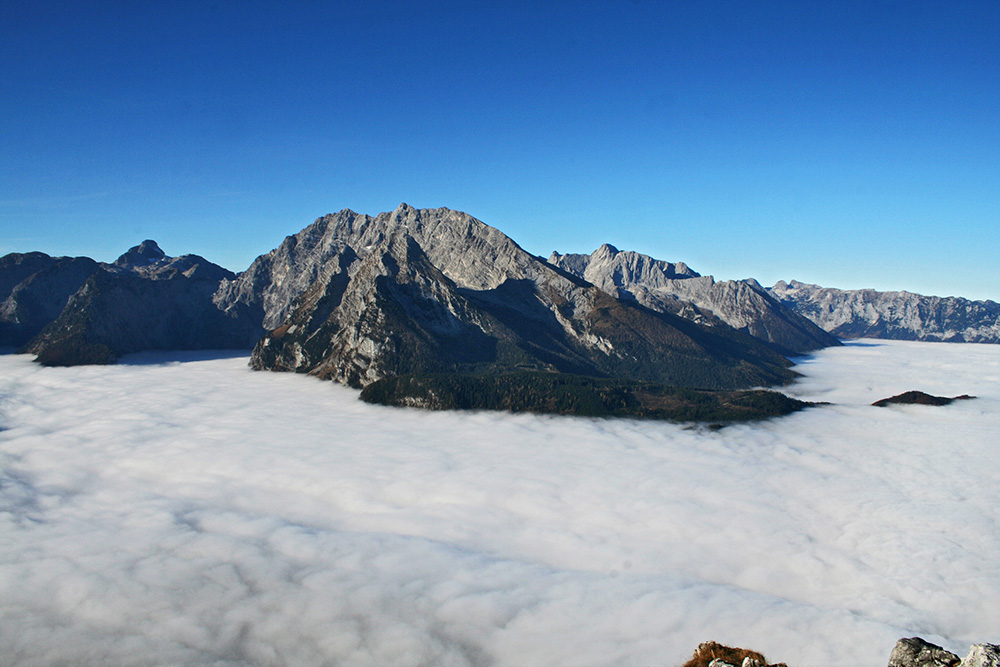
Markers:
point(437, 291)
point(72, 311)
point(34, 289)
point(897, 315)
point(675, 288)
point(909, 652)
point(413, 293)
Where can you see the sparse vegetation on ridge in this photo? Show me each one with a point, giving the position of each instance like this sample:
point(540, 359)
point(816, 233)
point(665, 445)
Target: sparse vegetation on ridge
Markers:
point(563, 394)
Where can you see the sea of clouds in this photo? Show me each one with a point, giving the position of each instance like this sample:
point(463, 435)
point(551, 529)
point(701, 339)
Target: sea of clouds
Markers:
point(185, 510)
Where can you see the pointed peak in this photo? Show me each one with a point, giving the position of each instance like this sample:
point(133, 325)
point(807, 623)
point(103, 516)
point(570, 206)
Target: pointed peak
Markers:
point(606, 249)
point(143, 254)
point(149, 248)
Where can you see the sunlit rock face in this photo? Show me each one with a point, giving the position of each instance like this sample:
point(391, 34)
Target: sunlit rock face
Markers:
point(899, 315)
point(470, 253)
point(675, 288)
point(982, 655)
point(355, 298)
point(916, 652)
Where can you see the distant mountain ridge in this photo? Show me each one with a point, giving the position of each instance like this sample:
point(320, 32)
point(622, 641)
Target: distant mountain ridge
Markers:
point(896, 315)
point(149, 261)
point(71, 310)
point(34, 289)
point(675, 288)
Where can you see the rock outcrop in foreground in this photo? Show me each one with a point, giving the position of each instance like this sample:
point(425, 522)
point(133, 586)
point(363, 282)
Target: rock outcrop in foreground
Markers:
point(916, 652)
point(911, 652)
point(895, 315)
point(712, 654)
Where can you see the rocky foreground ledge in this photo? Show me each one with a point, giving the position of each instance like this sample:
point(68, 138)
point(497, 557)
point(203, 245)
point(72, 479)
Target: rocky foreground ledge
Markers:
point(911, 652)
point(915, 652)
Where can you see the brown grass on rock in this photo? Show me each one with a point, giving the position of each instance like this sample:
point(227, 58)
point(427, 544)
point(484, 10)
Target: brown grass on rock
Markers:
point(709, 651)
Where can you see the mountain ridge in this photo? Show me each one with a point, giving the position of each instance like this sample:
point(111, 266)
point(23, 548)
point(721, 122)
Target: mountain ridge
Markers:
point(76, 310)
point(357, 298)
point(676, 288)
point(399, 288)
point(901, 315)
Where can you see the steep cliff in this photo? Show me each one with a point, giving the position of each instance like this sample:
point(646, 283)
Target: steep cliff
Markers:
point(434, 291)
point(675, 288)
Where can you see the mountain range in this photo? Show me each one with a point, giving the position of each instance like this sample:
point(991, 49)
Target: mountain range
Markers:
point(895, 315)
point(429, 293)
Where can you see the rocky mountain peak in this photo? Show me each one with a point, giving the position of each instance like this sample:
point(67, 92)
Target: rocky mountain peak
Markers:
point(675, 288)
point(605, 251)
point(144, 254)
point(357, 298)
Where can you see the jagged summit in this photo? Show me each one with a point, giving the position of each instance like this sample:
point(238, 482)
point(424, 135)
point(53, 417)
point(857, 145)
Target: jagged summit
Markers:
point(608, 268)
point(867, 313)
point(675, 288)
point(468, 251)
point(144, 254)
point(356, 298)
point(150, 261)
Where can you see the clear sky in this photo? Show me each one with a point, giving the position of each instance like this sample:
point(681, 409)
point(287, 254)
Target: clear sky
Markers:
point(851, 144)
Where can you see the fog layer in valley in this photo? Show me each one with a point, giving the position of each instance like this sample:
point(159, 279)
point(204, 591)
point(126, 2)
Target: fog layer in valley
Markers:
point(186, 510)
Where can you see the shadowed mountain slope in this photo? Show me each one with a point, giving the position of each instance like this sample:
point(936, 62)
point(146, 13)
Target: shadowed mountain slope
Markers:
point(77, 311)
point(34, 289)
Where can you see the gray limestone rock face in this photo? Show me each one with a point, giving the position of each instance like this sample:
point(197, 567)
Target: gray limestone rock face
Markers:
point(675, 288)
point(915, 652)
point(982, 655)
point(355, 298)
point(894, 315)
point(470, 253)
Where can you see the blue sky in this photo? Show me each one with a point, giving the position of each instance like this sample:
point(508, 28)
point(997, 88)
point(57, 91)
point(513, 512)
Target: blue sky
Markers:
point(851, 144)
